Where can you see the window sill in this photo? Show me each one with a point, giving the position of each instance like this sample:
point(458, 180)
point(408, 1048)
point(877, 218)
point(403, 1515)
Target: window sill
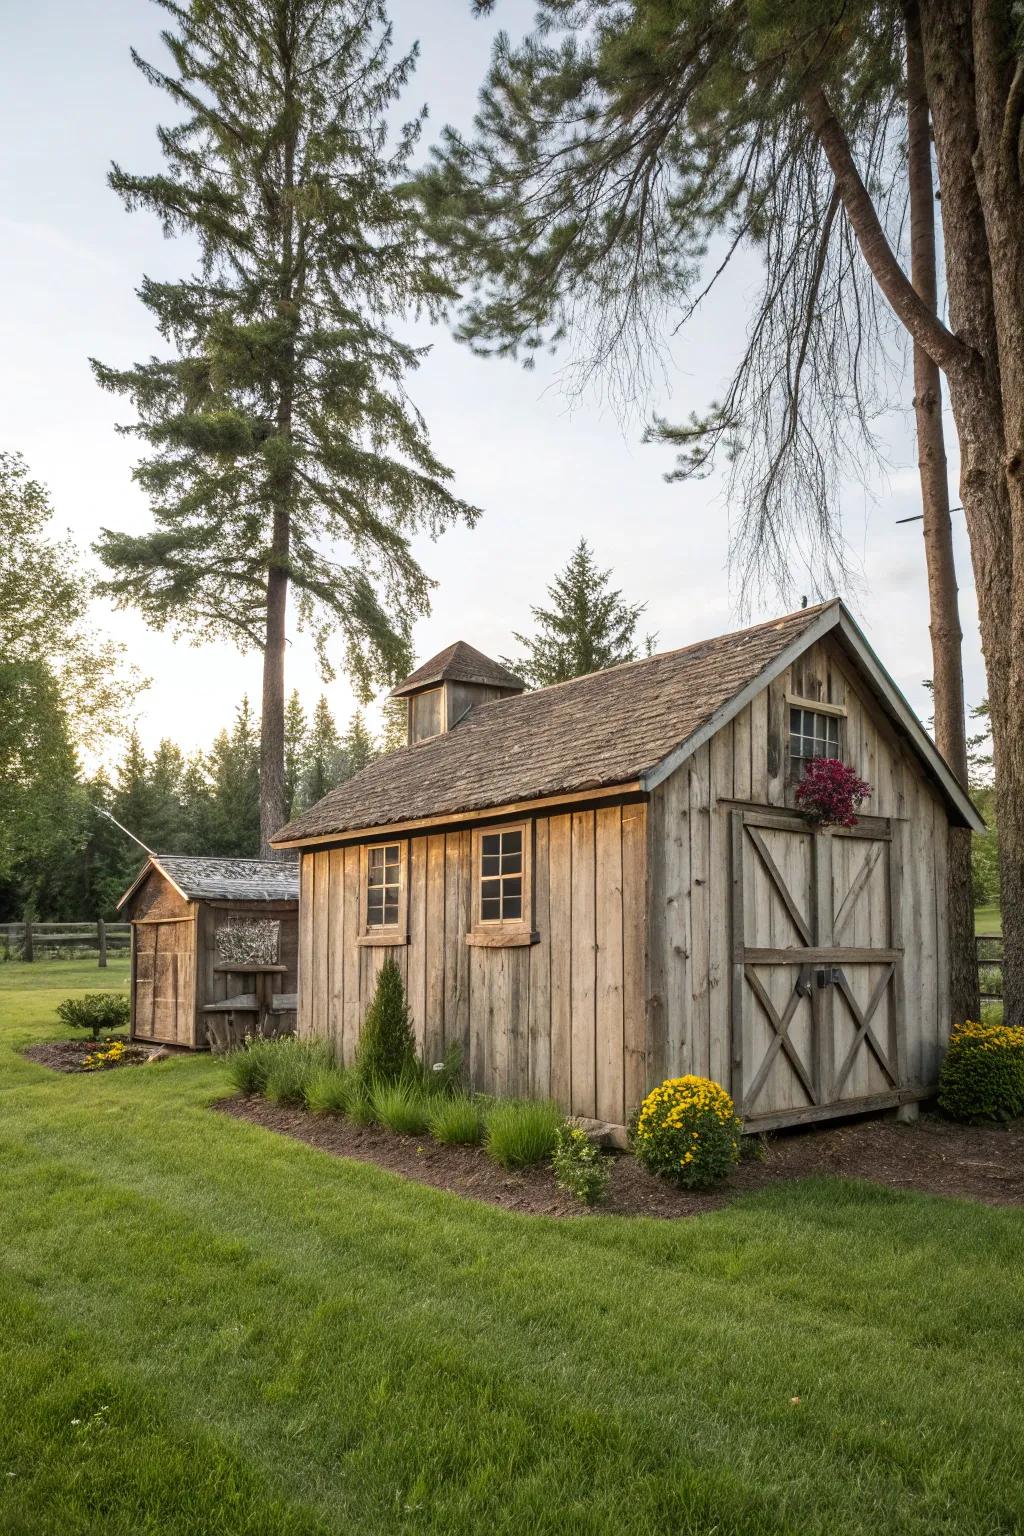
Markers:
point(501, 938)
point(378, 940)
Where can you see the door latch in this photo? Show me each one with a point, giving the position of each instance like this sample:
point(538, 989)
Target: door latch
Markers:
point(828, 976)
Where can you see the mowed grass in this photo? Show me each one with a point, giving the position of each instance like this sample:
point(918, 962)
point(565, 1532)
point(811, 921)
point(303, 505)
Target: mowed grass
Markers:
point(988, 920)
point(207, 1328)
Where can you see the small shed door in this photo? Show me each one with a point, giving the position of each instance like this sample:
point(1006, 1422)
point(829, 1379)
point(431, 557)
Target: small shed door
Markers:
point(816, 967)
point(164, 989)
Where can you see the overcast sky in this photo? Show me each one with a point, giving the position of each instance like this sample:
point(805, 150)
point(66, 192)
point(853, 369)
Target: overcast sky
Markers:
point(544, 472)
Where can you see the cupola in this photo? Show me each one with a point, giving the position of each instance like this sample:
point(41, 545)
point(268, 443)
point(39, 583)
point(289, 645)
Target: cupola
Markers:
point(444, 690)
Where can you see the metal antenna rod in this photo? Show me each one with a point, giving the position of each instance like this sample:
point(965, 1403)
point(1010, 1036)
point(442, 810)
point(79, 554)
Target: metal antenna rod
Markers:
point(101, 812)
point(920, 516)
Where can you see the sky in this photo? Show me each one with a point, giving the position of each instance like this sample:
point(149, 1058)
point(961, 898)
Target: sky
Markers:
point(544, 468)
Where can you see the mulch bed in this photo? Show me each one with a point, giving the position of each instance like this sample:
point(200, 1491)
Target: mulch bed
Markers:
point(933, 1156)
point(69, 1055)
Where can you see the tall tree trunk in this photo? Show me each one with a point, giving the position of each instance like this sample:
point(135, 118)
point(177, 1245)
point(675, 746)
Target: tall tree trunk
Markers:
point(944, 608)
point(273, 811)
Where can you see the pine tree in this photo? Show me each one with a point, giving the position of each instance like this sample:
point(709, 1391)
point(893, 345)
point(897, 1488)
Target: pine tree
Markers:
point(395, 726)
point(233, 817)
point(357, 747)
point(324, 758)
point(587, 628)
point(283, 450)
point(294, 751)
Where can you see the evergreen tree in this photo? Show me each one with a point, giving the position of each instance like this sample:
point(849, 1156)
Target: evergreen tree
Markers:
point(587, 628)
point(324, 757)
point(395, 727)
point(230, 821)
point(294, 751)
point(357, 746)
point(279, 425)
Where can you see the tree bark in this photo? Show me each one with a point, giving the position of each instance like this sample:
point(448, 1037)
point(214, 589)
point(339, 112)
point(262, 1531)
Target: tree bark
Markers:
point(944, 610)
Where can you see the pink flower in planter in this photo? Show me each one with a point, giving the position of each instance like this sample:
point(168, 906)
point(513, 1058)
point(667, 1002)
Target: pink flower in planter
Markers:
point(830, 793)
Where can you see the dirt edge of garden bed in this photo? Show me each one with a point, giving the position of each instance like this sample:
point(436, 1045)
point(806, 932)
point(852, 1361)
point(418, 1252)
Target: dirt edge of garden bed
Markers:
point(932, 1156)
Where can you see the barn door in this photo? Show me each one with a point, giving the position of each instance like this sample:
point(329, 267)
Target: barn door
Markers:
point(817, 971)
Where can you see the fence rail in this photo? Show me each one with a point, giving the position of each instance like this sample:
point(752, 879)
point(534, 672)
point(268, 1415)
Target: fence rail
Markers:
point(988, 948)
point(27, 939)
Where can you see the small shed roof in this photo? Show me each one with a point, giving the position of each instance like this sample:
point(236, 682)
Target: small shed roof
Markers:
point(210, 879)
point(634, 723)
point(459, 663)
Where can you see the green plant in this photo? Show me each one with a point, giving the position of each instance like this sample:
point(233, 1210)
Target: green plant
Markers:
point(982, 1076)
point(96, 1011)
point(249, 1064)
point(456, 1119)
point(292, 1065)
point(580, 1167)
point(401, 1106)
point(361, 1109)
point(329, 1090)
point(521, 1132)
point(687, 1131)
point(387, 1046)
point(445, 1076)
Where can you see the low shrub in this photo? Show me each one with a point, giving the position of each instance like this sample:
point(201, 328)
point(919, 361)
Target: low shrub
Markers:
point(687, 1131)
point(329, 1090)
point(387, 1045)
point(580, 1167)
point(521, 1132)
point(982, 1076)
point(457, 1119)
point(401, 1106)
point(96, 1011)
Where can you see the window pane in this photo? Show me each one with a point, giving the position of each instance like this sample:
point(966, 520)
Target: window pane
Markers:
point(511, 863)
point(512, 907)
point(511, 842)
point(490, 909)
point(491, 842)
point(375, 907)
point(376, 858)
point(391, 907)
point(391, 854)
point(490, 864)
point(489, 889)
point(513, 887)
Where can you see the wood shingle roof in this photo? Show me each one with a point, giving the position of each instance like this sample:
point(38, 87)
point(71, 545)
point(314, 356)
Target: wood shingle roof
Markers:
point(211, 879)
point(458, 663)
point(603, 729)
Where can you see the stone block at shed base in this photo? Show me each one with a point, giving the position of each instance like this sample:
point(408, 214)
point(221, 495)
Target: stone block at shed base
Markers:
point(907, 1114)
point(603, 1133)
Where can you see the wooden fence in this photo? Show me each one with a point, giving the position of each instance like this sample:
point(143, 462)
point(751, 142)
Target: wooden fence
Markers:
point(29, 940)
point(989, 950)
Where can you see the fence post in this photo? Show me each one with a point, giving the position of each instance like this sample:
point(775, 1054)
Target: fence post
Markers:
point(101, 940)
point(26, 948)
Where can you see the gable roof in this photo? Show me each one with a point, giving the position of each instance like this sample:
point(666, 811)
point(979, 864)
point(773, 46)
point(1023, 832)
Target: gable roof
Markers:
point(458, 663)
point(208, 879)
point(633, 724)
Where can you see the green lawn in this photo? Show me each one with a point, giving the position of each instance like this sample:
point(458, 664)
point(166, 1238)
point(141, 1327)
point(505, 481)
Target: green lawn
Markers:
point(988, 920)
point(209, 1329)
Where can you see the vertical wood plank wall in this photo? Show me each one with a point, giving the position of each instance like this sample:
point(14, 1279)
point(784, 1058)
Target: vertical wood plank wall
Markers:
point(564, 1017)
point(689, 883)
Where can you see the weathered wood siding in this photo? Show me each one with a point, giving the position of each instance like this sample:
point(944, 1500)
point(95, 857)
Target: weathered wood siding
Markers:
point(563, 1017)
point(689, 978)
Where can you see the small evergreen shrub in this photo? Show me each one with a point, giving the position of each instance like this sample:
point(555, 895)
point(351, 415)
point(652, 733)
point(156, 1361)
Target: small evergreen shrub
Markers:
point(329, 1090)
point(982, 1076)
point(687, 1131)
point(401, 1106)
point(520, 1133)
point(387, 1046)
point(291, 1065)
point(456, 1120)
point(98, 1012)
point(580, 1167)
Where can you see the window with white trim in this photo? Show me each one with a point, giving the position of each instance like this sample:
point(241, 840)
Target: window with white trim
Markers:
point(383, 895)
point(812, 734)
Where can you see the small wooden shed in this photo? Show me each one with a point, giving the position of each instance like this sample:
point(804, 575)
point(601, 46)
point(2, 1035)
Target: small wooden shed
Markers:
point(214, 948)
point(597, 885)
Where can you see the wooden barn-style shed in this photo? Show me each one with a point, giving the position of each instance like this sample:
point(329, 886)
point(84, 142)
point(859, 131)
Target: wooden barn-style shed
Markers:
point(603, 883)
point(214, 948)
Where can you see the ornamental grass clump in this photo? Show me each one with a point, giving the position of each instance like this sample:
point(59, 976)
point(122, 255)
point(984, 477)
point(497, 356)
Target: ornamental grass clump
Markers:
point(520, 1133)
point(580, 1167)
point(830, 794)
point(401, 1106)
point(291, 1064)
point(687, 1131)
point(329, 1091)
point(982, 1076)
point(457, 1120)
